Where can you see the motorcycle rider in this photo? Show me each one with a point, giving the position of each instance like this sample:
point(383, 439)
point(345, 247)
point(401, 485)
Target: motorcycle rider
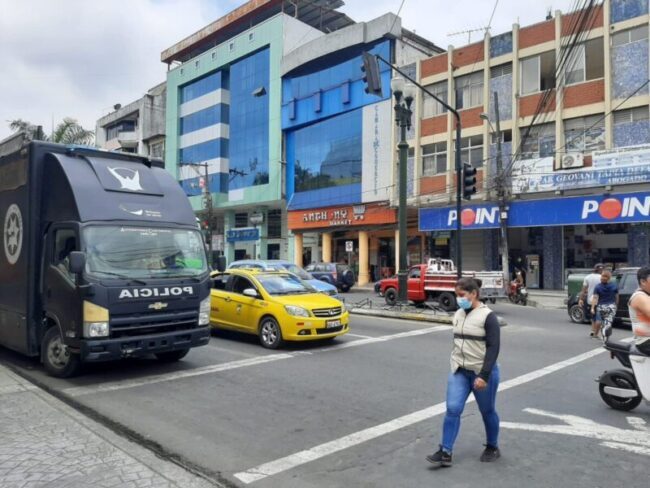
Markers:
point(639, 306)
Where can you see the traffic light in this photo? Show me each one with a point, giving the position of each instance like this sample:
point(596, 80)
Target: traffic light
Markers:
point(372, 75)
point(469, 181)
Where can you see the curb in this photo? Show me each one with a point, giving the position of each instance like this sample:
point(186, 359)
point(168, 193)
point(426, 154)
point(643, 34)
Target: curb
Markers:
point(401, 315)
point(535, 304)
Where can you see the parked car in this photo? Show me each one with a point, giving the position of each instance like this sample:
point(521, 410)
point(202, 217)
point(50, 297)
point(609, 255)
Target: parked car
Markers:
point(339, 275)
point(627, 284)
point(281, 265)
point(277, 306)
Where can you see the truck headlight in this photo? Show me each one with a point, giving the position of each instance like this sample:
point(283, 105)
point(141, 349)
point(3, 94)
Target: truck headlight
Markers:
point(96, 329)
point(296, 311)
point(204, 312)
point(95, 321)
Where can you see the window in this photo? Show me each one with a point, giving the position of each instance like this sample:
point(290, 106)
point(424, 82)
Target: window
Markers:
point(430, 106)
point(629, 36)
point(499, 71)
point(414, 273)
point(538, 141)
point(113, 131)
point(434, 158)
point(585, 134)
point(157, 150)
point(196, 63)
point(204, 118)
point(538, 73)
point(506, 136)
point(586, 62)
point(65, 241)
point(239, 284)
point(629, 285)
point(469, 90)
point(214, 54)
point(274, 224)
point(251, 36)
point(471, 151)
point(195, 89)
point(241, 220)
point(632, 127)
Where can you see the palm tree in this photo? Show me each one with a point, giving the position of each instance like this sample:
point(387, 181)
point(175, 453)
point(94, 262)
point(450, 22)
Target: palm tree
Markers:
point(69, 131)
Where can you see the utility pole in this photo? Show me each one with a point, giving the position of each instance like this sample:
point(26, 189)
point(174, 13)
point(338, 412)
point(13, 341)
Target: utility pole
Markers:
point(371, 88)
point(207, 202)
point(502, 195)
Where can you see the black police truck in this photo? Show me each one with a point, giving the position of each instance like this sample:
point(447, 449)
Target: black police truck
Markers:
point(100, 257)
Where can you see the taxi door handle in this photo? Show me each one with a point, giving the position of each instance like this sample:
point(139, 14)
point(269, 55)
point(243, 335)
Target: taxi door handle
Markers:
point(228, 299)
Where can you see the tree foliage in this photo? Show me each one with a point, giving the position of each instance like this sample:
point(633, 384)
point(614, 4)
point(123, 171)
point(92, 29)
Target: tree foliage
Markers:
point(68, 131)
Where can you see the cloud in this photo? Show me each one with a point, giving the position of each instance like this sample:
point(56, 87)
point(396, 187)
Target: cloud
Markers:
point(78, 58)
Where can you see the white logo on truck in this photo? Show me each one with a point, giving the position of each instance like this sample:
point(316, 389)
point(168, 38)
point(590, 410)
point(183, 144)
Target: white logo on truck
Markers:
point(129, 178)
point(13, 234)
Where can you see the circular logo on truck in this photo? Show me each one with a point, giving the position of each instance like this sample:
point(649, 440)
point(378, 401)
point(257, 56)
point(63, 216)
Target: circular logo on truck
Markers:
point(13, 233)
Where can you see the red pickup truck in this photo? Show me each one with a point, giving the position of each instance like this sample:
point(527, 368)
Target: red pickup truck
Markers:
point(430, 282)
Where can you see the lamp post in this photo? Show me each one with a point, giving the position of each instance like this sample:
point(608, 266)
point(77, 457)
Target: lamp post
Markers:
point(502, 193)
point(404, 94)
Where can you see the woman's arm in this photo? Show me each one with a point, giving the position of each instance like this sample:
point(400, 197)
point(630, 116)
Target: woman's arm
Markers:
point(492, 345)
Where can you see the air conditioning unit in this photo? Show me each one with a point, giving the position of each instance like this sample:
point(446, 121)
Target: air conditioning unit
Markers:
point(572, 160)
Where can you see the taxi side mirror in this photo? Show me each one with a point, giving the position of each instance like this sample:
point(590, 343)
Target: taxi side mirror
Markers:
point(250, 292)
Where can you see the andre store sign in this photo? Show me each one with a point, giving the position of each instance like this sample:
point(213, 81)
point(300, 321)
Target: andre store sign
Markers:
point(351, 215)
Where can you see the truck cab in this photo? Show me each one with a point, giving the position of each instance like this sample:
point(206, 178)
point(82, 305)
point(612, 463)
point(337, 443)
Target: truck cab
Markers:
point(102, 259)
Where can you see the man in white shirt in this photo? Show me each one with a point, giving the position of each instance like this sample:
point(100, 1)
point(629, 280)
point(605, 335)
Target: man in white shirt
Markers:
point(588, 285)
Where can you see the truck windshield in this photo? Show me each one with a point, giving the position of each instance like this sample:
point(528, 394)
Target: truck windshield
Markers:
point(144, 252)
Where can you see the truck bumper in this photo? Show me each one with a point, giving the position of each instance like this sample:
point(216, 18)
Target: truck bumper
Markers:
point(129, 347)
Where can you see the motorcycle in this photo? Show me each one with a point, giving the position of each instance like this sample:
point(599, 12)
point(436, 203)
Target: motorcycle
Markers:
point(518, 293)
point(623, 389)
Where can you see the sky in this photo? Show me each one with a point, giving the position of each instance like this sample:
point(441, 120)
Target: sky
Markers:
point(78, 58)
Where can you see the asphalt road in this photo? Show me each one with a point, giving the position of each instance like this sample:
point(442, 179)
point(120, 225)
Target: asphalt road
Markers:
point(366, 409)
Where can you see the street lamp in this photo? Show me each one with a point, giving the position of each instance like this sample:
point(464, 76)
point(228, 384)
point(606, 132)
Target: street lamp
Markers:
point(404, 94)
point(502, 193)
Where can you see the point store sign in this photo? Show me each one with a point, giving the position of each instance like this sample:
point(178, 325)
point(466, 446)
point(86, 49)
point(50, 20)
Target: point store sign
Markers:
point(624, 208)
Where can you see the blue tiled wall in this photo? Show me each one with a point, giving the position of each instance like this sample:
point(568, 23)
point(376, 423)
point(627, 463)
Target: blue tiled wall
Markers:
point(638, 243)
point(630, 68)
point(552, 260)
point(627, 9)
point(501, 44)
point(503, 86)
point(632, 133)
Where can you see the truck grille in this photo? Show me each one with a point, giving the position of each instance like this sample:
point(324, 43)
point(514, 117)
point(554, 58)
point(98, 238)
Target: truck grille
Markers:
point(152, 323)
point(327, 312)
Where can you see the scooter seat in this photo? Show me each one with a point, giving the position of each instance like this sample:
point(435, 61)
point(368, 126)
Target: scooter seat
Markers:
point(618, 346)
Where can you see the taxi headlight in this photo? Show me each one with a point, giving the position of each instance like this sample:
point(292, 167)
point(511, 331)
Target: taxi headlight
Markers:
point(204, 312)
point(95, 321)
point(296, 311)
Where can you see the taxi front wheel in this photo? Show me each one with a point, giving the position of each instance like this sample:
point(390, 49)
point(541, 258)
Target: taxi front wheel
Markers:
point(270, 333)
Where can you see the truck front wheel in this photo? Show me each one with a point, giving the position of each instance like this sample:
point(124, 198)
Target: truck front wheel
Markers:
point(172, 356)
point(391, 296)
point(56, 356)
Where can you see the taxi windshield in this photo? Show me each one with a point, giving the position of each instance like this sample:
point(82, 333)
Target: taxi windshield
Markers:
point(283, 284)
point(143, 252)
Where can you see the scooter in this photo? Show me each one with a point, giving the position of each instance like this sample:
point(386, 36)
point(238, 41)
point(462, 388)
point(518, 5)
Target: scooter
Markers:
point(518, 293)
point(623, 389)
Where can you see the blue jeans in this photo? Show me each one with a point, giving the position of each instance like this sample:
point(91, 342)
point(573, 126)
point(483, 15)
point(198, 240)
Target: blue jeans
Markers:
point(459, 386)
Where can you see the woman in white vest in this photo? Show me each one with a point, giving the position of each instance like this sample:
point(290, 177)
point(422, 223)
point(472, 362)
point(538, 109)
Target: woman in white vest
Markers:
point(474, 369)
point(639, 306)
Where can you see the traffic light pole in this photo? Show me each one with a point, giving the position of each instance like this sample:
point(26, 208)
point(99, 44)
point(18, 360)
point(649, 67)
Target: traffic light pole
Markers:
point(458, 166)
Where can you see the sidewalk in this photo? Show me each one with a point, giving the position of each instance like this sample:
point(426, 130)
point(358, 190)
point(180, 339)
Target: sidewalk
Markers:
point(46, 443)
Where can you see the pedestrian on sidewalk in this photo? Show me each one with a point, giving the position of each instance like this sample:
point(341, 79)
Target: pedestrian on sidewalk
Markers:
point(639, 306)
point(587, 294)
point(474, 370)
point(604, 302)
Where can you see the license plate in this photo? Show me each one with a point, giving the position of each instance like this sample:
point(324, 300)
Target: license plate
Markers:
point(333, 323)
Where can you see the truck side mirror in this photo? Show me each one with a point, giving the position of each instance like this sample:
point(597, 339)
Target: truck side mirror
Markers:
point(77, 261)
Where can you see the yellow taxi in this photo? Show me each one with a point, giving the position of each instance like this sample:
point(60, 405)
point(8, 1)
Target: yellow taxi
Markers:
point(277, 306)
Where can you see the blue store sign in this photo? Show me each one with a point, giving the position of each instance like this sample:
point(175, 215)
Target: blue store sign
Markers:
point(247, 234)
point(625, 208)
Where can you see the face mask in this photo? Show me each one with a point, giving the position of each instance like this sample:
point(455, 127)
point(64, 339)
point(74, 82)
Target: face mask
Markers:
point(464, 303)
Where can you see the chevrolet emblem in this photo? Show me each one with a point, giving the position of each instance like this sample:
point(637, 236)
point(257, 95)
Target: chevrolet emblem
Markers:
point(158, 306)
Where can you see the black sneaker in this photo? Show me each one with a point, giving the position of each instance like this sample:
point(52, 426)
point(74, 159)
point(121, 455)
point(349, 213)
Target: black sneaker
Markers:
point(440, 458)
point(490, 454)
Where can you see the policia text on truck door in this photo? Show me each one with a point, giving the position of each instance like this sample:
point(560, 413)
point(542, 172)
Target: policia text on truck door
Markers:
point(100, 258)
